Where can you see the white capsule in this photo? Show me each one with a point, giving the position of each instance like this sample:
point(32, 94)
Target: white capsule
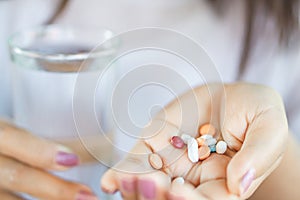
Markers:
point(210, 142)
point(185, 138)
point(192, 147)
point(221, 147)
point(207, 137)
point(179, 180)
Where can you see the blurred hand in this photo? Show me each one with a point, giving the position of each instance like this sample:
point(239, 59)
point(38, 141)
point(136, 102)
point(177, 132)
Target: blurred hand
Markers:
point(250, 118)
point(24, 161)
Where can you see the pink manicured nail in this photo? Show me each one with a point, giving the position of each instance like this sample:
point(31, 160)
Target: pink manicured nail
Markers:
point(147, 189)
point(247, 180)
point(128, 185)
point(83, 195)
point(67, 159)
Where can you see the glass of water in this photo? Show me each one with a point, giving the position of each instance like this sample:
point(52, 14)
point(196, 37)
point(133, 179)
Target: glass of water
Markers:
point(46, 63)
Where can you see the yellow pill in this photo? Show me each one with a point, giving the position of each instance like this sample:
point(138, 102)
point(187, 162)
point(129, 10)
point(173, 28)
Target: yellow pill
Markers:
point(207, 129)
point(204, 152)
point(200, 141)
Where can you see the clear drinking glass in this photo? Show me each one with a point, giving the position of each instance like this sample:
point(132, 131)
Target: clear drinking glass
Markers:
point(46, 61)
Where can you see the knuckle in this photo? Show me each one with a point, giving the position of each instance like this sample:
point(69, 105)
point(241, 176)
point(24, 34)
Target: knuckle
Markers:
point(15, 174)
point(4, 133)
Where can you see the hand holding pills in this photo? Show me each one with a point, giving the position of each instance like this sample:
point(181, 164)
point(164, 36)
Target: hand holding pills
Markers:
point(201, 147)
point(224, 159)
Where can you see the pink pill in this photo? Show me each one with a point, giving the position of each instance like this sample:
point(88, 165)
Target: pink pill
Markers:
point(177, 142)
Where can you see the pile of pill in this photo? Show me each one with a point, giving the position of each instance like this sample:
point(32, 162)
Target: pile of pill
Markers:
point(198, 148)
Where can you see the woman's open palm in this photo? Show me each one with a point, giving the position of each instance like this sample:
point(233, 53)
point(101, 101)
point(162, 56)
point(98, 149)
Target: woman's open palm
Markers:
point(249, 118)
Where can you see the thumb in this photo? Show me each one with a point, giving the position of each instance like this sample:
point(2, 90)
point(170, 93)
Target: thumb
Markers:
point(260, 153)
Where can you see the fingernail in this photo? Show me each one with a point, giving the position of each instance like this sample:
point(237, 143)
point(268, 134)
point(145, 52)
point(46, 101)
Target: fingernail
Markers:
point(147, 189)
point(128, 185)
point(83, 195)
point(108, 191)
point(67, 159)
point(247, 180)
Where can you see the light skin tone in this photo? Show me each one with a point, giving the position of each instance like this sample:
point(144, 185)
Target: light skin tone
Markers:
point(263, 158)
point(26, 159)
point(24, 164)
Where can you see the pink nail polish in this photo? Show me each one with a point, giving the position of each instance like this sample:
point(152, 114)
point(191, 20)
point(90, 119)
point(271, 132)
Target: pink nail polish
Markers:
point(128, 185)
point(247, 180)
point(83, 195)
point(147, 189)
point(67, 159)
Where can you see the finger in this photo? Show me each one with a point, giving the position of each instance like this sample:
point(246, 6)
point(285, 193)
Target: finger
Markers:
point(128, 187)
point(213, 168)
point(8, 196)
point(21, 145)
point(157, 141)
point(210, 190)
point(153, 185)
point(261, 151)
point(215, 190)
point(18, 177)
point(135, 163)
point(259, 138)
point(108, 182)
point(183, 191)
point(134, 175)
point(158, 135)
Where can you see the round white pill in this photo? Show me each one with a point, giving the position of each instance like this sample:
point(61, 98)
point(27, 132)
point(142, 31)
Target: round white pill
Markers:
point(192, 147)
point(179, 180)
point(221, 147)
